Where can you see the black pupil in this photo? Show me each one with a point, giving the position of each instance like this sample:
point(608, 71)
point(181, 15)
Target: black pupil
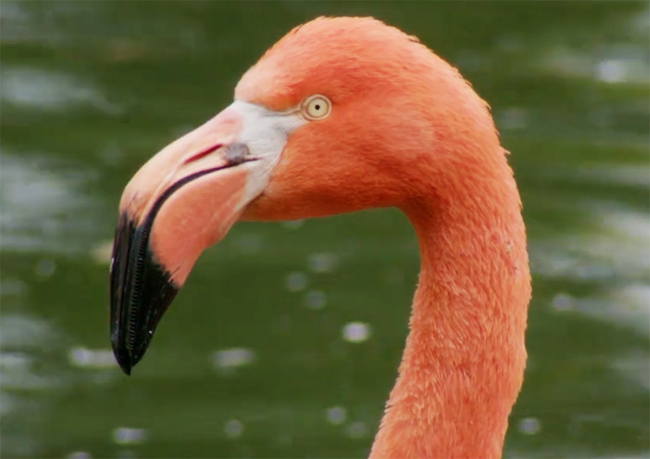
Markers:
point(317, 107)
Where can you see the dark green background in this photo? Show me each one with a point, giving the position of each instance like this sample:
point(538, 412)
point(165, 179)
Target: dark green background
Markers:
point(90, 90)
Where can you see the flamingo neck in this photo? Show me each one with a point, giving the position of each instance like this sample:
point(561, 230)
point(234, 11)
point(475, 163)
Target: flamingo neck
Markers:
point(465, 355)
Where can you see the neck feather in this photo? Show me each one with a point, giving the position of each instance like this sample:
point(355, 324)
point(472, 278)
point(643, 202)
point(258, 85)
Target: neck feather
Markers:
point(465, 355)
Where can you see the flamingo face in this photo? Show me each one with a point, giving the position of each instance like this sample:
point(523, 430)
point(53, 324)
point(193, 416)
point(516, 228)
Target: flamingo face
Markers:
point(338, 116)
point(183, 200)
point(345, 114)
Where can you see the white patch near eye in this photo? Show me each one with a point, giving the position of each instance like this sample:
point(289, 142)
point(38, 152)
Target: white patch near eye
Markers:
point(316, 107)
point(265, 133)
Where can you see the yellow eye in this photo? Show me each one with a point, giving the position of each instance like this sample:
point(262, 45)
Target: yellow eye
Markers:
point(316, 107)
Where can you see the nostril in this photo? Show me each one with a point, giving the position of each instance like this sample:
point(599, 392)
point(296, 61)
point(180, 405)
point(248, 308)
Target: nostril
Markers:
point(203, 153)
point(236, 153)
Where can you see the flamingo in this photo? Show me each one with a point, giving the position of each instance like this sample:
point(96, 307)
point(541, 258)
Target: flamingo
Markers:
point(345, 114)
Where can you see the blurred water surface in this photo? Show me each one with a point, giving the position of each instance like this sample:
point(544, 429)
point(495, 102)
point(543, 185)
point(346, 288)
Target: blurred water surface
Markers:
point(286, 339)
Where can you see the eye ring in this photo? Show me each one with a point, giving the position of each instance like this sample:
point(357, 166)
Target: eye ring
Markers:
point(316, 107)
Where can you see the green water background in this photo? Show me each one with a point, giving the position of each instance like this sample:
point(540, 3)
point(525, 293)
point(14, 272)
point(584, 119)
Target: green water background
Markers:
point(286, 339)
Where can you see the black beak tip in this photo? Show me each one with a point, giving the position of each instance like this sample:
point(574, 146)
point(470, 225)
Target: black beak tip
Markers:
point(122, 357)
point(126, 368)
point(128, 358)
point(141, 291)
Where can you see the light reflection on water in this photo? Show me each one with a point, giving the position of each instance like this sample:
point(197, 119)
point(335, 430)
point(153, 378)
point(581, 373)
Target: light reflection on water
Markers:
point(616, 247)
point(39, 90)
point(92, 358)
point(227, 359)
point(21, 381)
point(613, 174)
point(42, 210)
point(305, 320)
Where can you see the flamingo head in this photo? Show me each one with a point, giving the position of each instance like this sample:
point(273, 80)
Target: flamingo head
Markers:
point(340, 115)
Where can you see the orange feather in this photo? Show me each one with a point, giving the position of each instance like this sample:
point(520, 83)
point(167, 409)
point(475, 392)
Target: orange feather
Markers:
point(405, 130)
point(426, 143)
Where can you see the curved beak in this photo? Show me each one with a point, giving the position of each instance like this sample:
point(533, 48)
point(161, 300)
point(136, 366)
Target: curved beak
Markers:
point(182, 201)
